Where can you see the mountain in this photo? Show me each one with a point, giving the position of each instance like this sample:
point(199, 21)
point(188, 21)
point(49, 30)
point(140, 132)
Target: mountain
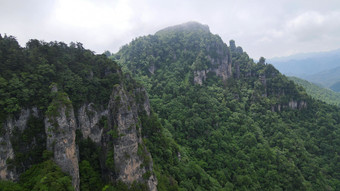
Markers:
point(308, 63)
point(70, 120)
point(318, 92)
point(336, 86)
point(241, 125)
point(177, 110)
point(322, 68)
point(328, 78)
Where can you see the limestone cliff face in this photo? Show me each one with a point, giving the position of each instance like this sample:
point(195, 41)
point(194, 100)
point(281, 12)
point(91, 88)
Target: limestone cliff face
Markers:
point(121, 135)
point(129, 151)
point(61, 140)
point(11, 127)
point(6, 151)
point(291, 105)
point(124, 156)
point(200, 76)
point(297, 104)
point(88, 119)
point(220, 64)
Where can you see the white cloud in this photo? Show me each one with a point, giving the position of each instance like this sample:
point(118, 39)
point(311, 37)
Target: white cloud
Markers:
point(263, 28)
point(91, 14)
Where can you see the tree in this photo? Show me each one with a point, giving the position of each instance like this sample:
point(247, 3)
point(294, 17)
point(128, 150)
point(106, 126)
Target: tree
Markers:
point(262, 61)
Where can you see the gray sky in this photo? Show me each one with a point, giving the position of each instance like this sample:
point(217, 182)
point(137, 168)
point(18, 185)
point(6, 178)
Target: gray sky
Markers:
point(266, 28)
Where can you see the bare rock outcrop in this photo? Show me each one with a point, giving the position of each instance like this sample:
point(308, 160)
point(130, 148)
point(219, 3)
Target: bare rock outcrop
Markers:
point(6, 152)
point(19, 123)
point(221, 65)
point(60, 128)
point(88, 119)
point(121, 135)
point(129, 151)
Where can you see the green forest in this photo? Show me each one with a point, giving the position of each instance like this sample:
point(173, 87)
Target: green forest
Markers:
point(27, 76)
point(254, 130)
point(230, 132)
point(317, 92)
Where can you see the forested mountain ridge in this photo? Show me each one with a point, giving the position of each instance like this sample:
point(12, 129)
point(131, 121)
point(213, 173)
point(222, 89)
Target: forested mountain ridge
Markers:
point(242, 125)
point(327, 78)
point(317, 92)
point(73, 120)
point(70, 120)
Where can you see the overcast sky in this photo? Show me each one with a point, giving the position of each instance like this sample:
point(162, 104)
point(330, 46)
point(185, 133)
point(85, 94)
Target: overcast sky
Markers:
point(268, 28)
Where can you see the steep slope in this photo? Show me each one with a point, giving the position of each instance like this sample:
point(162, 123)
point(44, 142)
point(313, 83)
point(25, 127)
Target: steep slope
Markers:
point(317, 92)
point(240, 125)
point(64, 108)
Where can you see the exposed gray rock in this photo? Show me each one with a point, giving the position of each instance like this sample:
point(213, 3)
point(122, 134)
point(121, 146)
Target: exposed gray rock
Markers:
point(88, 119)
point(123, 118)
point(221, 66)
point(122, 113)
point(152, 183)
point(200, 76)
point(144, 103)
point(6, 152)
point(6, 149)
point(35, 112)
point(293, 104)
point(297, 104)
point(22, 120)
point(61, 140)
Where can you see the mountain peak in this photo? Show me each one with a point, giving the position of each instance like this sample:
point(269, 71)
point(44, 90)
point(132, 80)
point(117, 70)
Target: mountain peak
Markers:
point(186, 27)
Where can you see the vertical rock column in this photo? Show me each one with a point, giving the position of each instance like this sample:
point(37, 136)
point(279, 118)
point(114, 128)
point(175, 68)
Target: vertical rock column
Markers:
point(7, 171)
point(123, 118)
point(6, 152)
point(60, 127)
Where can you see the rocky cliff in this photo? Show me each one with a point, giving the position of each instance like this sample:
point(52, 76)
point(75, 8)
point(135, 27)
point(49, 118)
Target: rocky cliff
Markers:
point(220, 65)
point(190, 46)
point(132, 160)
point(24, 134)
point(54, 98)
point(6, 151)
point(60, 127)
point(89, 119)
point(120, 139)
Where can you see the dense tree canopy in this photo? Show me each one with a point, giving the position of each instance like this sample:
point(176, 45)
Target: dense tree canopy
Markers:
point(240, 134)
point(27, 76)
point(256, 130)
point(318, 92)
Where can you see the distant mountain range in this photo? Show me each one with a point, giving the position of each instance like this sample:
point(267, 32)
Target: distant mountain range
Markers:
point(322, 68)
point(327, 78)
